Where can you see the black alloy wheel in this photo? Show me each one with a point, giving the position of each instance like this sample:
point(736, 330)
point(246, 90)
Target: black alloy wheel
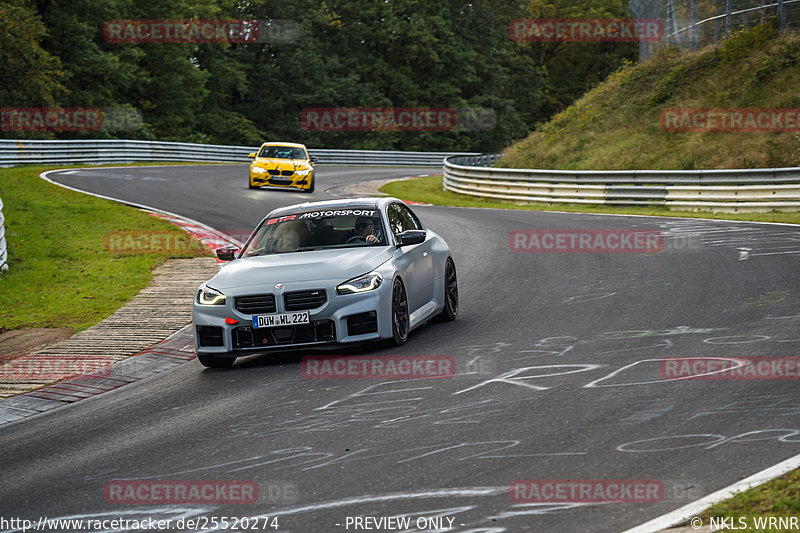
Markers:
point(450, 310)
point(400, 318)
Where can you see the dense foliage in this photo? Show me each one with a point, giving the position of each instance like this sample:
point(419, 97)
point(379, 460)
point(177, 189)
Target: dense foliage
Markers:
point(342, 53)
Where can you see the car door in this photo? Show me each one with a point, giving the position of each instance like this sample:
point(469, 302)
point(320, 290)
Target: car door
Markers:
point(416, 261)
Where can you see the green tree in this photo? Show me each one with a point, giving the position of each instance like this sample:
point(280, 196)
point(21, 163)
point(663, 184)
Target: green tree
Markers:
point(573, 68)
point(345, 53)
point(30, 76)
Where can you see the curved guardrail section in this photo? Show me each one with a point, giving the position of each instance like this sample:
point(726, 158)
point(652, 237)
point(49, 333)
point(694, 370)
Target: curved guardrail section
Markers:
point(3, 248)
point(109, 151)
point(737, 190)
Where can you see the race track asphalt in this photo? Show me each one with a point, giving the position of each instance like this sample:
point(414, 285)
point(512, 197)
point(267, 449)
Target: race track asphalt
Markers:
point(560, 377)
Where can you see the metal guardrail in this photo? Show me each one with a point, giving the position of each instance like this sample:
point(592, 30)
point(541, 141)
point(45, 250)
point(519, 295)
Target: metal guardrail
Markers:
point(3, 248)
point(763, 189)
point(731, 15)
point(780, 5)
point(17, 152)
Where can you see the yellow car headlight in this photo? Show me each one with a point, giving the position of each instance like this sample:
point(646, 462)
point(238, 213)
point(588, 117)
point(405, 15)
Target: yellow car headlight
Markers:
point(302, 172)
point(258, 170)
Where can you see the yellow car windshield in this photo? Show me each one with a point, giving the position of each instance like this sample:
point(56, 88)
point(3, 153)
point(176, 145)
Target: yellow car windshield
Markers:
point(282, 152)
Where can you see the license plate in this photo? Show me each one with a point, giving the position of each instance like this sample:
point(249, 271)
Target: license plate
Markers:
point(281, 319)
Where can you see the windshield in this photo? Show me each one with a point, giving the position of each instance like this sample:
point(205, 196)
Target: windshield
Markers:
point(282, 152)
point(317, 230)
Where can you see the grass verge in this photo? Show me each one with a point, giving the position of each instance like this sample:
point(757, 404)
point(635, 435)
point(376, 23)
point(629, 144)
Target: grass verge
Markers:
point(61, 274)
point(621, 124)
point(429, 190)
point(777, 498)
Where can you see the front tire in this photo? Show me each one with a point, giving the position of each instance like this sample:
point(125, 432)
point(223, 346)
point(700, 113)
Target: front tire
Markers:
point(450, 311)
point(311, 187)
point(212, 361)
point(400, 320)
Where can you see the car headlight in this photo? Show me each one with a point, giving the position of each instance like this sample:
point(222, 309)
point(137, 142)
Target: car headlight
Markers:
point(302, 172)
point(367, 282)
point(258, 170)
point(209, 296)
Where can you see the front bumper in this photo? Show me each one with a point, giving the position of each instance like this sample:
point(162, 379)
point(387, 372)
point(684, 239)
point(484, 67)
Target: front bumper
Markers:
point(350, 318)
point(293, 181)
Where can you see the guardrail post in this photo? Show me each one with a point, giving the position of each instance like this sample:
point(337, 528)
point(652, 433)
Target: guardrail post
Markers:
point(728, 10)
point(3, 248)
point(781, 16)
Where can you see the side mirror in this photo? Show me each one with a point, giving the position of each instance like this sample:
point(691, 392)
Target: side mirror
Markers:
point(313, 159)
point(226, 253)
point(410, 236)
point(251, 155)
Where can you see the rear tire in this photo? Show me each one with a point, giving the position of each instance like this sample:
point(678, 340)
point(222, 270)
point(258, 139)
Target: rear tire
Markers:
point(400, 320)
point(450, 311)
point(212, 361)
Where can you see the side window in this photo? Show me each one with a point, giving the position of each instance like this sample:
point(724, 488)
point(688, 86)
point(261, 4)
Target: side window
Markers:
point(401, 219)
point(395, 218)
point(412, 222)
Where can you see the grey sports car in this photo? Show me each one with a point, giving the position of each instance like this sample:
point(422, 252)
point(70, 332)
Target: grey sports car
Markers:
point(322, 273)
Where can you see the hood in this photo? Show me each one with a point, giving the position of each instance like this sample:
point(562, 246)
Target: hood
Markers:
point(338, 264)
point(281, 164)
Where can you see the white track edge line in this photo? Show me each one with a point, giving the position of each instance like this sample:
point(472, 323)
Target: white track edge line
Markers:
point(688, 511)
point(44, 176)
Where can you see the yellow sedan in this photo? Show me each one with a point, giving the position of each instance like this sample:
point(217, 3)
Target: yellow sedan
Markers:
point(282, 165)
